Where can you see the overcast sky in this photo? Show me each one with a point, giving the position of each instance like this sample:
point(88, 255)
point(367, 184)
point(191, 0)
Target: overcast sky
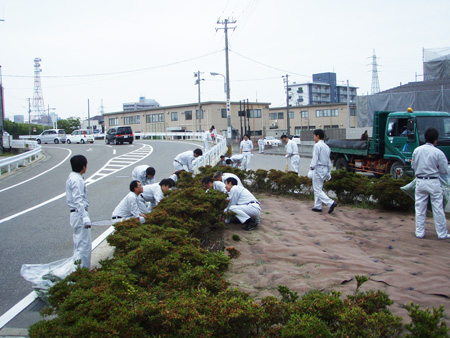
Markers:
point(117, 51)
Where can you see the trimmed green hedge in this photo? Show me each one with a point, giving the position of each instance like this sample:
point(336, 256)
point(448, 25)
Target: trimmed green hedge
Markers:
point(161, 283)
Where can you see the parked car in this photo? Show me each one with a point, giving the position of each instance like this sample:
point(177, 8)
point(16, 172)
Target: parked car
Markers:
point(272, 141)
point(52, 136)
point(80, 136)
point(119, 135)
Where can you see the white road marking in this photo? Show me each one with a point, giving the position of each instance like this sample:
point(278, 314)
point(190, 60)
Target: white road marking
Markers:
point(20, 306)
point(32, 178)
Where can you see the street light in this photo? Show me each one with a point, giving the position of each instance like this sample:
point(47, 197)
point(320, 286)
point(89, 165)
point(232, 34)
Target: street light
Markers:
point(224, 81)
point(197, 82)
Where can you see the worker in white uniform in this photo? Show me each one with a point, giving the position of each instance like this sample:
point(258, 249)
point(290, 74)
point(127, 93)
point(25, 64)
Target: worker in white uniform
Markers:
point(292, 153)
point(428, 163)
point(220, 176)
point(261, 145)
point(154, 193)
point(243, 204)
point(184, 160)
point(246, 149)
point(129, 206)
point(206, 138)
point(76, 199)
point(236, 161)
point(208, 183)
point(321, 167)
point(144, 174)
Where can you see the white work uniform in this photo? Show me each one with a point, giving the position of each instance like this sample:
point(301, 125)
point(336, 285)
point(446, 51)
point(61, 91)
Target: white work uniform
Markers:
point(76, 198)
point(321, 166)
point(206, 138)
point(292, 152)
point(428, 163)
point(243, 203)
point(227, 175)
point(153, 194)
point(184, 161)
point(246, 150)
point(261, 145)
point(220, 186)
point(236, 160)
point(127, 208)
point(140, 174)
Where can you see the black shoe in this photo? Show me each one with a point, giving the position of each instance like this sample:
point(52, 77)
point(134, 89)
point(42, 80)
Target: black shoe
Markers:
point(250, 224)
point(334, 205)
point(316, 210)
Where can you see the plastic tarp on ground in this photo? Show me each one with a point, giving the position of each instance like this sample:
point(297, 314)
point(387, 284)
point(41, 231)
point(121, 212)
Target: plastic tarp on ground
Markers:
point(430, 100)
point(347, 144)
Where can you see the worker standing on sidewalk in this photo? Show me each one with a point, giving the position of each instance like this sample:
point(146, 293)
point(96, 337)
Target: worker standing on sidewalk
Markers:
point(292, 153)
point(261, 145)
point(76, 198)
point(246, 149)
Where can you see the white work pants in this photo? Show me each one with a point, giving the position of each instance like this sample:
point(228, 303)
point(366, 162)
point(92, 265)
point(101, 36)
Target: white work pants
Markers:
point(82, 243)
point(178, 166)
point(261, 149)
point(206, 146)
point(432, 189)
point(319, 175)
point(246, 211)
point(295, 163)
point(246, 160)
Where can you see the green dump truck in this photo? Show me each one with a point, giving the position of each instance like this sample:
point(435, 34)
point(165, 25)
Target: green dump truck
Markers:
point(394, 138)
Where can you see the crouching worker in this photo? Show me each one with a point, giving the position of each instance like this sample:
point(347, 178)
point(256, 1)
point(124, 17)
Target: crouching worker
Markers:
point(243, 204)
point(154, 193)
point(129, 206)
point(208, 183)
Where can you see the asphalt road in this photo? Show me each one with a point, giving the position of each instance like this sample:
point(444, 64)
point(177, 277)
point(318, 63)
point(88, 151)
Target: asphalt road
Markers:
point(42, 234)
point(34, 218)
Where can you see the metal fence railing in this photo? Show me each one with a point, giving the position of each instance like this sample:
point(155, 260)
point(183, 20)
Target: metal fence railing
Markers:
point(13, 162)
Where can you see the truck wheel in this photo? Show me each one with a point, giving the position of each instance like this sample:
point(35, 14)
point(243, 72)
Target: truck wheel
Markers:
point(342, 164)
point(397, 169)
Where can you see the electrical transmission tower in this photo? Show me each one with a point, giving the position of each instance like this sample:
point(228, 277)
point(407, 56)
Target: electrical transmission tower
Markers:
point(38, 99)
point(375, 81)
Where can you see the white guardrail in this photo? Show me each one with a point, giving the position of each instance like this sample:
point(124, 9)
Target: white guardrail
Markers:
point(211, 157)
point(13, 162)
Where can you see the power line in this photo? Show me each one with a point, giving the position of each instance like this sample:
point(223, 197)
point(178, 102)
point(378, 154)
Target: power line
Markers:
point(122, 72)
point(283, 70)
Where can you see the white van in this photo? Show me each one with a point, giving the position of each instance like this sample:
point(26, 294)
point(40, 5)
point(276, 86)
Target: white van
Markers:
point(81, 136)
point(52, 136)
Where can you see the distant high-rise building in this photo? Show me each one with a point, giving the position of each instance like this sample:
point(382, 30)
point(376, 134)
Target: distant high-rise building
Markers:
point(142, 104)
point(322, 90)
point(19, 119)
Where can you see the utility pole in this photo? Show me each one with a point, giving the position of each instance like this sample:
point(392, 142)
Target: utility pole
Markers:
point(89, 117)
point(197, 82)
point(247, 113)
point(29, 118)
point(288, 123)
point(229, 128)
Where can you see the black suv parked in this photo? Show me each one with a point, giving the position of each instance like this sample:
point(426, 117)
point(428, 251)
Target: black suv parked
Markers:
point(119, 135)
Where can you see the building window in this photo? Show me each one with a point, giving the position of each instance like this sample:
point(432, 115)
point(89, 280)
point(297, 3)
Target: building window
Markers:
point(188, 115)
point(300, 90)
point(255, 113)
point(174, 116)
point(280, 116)
point(201, 114)
point(132, 119)
point(352, 111)
point(223, 111)
point(334, 112)
point(152, 118)
point(305, 114)
point(291, 115)
point(319, 113)
point(273, 116)
point(114, 121)
point(326, 113)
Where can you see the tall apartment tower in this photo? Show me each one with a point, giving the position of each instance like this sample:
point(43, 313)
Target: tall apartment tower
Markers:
point(38, 98)
point(375, 81)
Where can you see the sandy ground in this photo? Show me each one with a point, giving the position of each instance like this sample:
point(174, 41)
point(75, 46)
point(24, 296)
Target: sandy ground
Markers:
point(304, 250)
